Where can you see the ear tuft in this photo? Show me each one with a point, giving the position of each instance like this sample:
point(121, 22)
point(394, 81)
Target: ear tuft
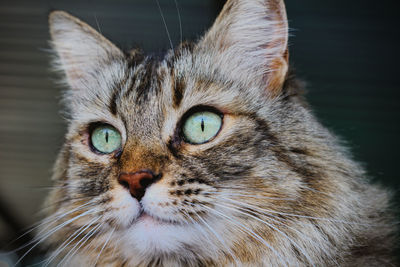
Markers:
point(81, 50)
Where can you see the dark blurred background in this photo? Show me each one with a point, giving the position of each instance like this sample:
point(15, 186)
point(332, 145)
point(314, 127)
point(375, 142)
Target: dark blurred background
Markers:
point(347, 52)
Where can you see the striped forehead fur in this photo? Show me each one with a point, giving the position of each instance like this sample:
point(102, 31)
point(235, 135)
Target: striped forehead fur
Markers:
point(272, 188)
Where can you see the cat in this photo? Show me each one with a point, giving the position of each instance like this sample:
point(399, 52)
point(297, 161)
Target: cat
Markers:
point(207, 156)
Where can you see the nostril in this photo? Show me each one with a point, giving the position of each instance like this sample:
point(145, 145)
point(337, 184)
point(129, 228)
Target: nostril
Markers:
point(145, 182)
point(137, 182)
point(124, 184)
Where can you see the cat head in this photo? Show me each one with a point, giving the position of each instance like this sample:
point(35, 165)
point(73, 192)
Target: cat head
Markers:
point(175, 157)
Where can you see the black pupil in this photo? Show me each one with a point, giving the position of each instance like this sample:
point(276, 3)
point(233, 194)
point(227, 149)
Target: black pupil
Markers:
point(107, 136)
point(202, 125)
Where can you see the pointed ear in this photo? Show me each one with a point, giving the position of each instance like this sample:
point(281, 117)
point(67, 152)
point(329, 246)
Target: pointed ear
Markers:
point(81, 50)
point(250, 39)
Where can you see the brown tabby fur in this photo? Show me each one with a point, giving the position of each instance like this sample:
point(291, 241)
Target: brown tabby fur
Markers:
point(273, 188)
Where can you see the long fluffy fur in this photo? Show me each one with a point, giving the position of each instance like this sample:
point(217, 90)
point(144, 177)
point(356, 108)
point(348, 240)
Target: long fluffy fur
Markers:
point(273, 188)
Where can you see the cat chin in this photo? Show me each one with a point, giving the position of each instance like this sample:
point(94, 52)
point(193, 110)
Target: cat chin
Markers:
point(149, 237)
point(152, 238)
point(150, 229)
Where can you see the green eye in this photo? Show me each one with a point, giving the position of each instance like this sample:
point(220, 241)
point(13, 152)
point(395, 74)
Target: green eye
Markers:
point(106, 139)
point(201, 127)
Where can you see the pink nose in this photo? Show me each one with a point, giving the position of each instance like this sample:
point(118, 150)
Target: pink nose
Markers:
point(137, 182)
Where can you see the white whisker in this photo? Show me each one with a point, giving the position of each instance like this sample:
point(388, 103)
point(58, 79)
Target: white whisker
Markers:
point(179, 18)
point(105, 244)
point(115, 246)
point(97, 23)
point(165, 24)
point(49, 219)
point(299, 215)
point(39, 240)
point(70, 239)
point(59, 215)
point(78, 245)
point(250, 196)
point(273, 227)
point(211, 230)
point(218, 237)
point(248, 231)
point(278, 220)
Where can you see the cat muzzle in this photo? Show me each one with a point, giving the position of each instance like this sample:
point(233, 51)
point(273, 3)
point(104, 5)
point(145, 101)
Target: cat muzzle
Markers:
point(137, 182)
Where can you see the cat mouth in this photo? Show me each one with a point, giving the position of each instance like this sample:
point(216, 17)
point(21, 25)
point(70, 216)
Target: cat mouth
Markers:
point(147, 219)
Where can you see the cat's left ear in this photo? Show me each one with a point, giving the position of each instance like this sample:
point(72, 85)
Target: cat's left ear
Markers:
point(250, 41)
point(82, 51)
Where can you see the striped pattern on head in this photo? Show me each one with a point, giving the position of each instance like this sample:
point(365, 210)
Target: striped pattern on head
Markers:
point(272, 188)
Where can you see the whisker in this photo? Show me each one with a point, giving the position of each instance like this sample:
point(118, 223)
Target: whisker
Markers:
point(301, 216)
point(115, 246)
point(61, 214)
point(49, 219)
point(198, 226)
point(97, 23)
point(51, 232)
point(105, 244)
point(274, 228)
point(47, 187)
point(80, 243)
point(179, 18)
point(63, 200)
point(217, 236)
point(278, 220)
point(250, 196)
point(90, 245)
point(72, 238)
point(247, 231)
point(165, 24)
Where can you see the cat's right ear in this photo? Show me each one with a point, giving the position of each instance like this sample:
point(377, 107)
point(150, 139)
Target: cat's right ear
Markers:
point(81, 50)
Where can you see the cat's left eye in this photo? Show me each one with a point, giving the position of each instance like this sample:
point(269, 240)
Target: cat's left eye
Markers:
point(201, 127)
point(105, 139)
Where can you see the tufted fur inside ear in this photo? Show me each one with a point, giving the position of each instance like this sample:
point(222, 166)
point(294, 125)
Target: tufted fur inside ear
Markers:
point(250, 39)
point(81, 50)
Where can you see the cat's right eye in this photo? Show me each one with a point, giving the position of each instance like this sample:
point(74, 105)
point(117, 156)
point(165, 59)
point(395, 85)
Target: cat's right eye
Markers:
point(105, 139)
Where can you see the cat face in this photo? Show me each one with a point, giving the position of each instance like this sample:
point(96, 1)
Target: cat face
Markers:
point(202, 156)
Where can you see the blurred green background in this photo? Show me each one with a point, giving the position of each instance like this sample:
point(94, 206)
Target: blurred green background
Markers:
point(346, 51)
